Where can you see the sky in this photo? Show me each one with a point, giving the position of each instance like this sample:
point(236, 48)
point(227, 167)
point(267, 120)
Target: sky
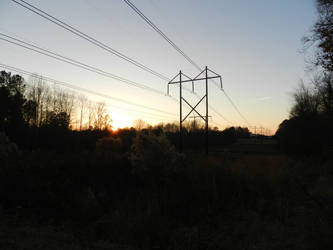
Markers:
point(254, 45)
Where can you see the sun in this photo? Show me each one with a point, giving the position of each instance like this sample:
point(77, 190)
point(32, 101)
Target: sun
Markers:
point(120, 120)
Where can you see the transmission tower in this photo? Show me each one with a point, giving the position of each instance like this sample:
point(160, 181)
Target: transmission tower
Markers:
point(203, 76)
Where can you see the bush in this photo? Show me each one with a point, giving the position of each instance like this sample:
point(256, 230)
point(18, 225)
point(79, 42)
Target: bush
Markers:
point(108, 145)
point(153, 154)
point(8, 149)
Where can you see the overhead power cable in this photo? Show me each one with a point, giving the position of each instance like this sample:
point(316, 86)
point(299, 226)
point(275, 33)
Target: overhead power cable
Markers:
point(142, 113)
point(90, 39)
point(151, 24)
point(236, 108)
point(72, 86)
point(86, 37)
point(218, 113)
point(76, 63)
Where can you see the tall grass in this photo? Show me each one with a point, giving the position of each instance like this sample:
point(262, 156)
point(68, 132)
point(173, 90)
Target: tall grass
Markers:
point(155, 198)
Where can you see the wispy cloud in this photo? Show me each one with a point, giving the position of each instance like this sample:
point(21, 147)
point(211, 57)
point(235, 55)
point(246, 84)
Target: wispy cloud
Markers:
point(264, 98)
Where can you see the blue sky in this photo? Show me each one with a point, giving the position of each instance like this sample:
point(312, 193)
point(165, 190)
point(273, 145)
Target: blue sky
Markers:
point(254, 45)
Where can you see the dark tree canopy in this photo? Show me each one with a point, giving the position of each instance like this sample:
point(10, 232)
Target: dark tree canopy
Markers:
point(322, 35)
point(57, 120)
point(309, 129)
point(306, 103)
point(12, 100)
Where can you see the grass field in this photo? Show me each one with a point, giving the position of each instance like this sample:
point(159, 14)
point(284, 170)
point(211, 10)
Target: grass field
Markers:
point(230, 200)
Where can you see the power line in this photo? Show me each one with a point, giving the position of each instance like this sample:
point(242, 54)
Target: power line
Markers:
point(212, 108)
point(150, 23)
point(86, 37)
point(68, 85)
point(92, 40)
point(218, 124)
point(142, 113)
point(234, 105)
point(76, 63)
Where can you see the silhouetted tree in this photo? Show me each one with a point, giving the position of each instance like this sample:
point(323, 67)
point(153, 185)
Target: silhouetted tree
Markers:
point(194, 125)
point(306, 102)
point(309, 129)
point(139, 124)
point(102, 118)
point(322, 35)
point(324, 86)
point(12, 103)
point(242, 132)
point(38, 93)
point(91, 114)
point(57, 120)
point(82, 105)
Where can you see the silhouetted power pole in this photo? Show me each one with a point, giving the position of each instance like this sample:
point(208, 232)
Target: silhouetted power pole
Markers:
point(203, 76)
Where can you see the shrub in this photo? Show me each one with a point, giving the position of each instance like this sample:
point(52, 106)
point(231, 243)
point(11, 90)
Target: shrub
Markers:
point(8, 149)
point(108, 145)
point(153, 154)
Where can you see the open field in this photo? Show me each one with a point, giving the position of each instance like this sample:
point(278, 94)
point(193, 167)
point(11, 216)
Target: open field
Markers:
point(228, 201)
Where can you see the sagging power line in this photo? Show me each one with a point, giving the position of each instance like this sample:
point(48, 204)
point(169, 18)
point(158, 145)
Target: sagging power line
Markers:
point(72, 86)
point(96, 42)
point(151, 24)
point(191, 61)
point(73, 62)
point(87, 37)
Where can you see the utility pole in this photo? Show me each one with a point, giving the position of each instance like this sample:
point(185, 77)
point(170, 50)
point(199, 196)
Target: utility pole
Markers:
point(206, 110)
point(180, 113)
point(193, 108)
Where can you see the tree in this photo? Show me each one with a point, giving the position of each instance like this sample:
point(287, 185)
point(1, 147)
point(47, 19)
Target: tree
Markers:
point(322, 35)
point(91, 114)
point(306, 102)
point(57, 120)
point(242, 132)
point(324, 86)
point(82, 103)
point(37, 93)
point(139, 124)
point(29, 114)
point(102, 119)
point(12, 101)
point(195, 125)
point(309, 129)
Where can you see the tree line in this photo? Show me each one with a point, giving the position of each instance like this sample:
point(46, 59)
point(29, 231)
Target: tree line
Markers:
point(309, 128)
point(37, 114)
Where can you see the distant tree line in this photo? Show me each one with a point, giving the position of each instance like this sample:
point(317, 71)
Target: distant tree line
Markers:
point(35, 114)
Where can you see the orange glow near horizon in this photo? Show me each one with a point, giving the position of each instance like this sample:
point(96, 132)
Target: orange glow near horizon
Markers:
point(120, 120)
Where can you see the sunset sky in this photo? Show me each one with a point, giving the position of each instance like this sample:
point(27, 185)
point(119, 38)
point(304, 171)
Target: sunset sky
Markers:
point(255, 46)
